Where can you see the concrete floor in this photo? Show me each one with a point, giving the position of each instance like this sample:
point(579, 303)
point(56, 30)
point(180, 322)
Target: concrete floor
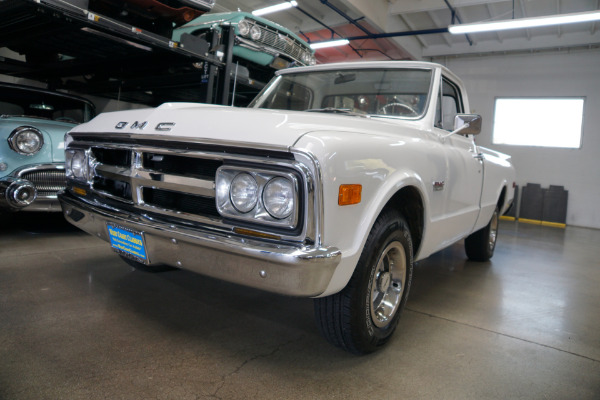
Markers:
point(78, 323)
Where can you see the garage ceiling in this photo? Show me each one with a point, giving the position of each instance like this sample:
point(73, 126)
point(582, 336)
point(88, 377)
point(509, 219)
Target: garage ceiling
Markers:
point(379, 16)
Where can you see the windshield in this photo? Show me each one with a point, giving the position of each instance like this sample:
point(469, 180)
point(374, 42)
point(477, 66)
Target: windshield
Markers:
point(396, 93)
point(16, 101)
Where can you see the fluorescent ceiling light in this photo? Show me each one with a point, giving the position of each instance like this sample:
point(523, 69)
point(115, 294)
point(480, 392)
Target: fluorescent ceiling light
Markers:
point(525, 22)
point(332, 43)
point(275, 8)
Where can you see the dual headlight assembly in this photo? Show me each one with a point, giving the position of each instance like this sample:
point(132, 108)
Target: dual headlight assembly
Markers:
point(258, 195)
point(249, 29)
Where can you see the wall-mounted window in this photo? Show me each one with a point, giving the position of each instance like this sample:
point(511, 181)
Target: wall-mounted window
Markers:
point(546, 122)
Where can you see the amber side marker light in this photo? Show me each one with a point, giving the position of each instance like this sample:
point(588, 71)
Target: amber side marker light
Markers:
point(249, 232)
point(80, 191)
point(349, 194)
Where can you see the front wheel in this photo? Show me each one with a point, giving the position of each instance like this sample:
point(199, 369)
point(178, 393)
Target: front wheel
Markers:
point(364, 315)
point(480, 245)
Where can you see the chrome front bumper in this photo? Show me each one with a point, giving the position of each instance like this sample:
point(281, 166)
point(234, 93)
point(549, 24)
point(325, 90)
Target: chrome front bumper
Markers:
point(33, 188)
point(284, 269)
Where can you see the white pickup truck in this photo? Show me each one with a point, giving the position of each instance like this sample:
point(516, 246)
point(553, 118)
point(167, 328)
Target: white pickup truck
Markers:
point(331, 185)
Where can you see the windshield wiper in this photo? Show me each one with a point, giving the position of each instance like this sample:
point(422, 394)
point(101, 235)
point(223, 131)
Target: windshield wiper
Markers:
point(333, 110)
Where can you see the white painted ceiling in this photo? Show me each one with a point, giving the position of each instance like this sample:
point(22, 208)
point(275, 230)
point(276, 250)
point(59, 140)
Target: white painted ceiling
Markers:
point(381, 16)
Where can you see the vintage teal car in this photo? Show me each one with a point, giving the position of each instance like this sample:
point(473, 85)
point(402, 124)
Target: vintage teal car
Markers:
point(33, 123)
point(258, 42)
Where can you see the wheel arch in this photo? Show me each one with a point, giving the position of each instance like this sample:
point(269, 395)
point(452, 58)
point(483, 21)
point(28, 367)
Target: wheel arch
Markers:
point(409, 202)
point(502, 198)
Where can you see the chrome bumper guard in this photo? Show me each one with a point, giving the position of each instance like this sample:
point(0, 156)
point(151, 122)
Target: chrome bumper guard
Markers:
point(33, 188)
point(283, 269)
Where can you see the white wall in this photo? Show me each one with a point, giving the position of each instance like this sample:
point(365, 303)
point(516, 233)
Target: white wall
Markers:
point(552, 74)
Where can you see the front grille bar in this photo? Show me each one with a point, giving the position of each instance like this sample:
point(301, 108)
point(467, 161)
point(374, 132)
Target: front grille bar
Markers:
point(47, 182)
point(147, 174)
point(129, 181)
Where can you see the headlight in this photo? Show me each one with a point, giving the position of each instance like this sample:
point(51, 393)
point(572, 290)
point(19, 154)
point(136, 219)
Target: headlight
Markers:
point(26, 140)
point(258, 196)
point(244, 27)
point(244, 192)
point(76, 164)
point(278, 197)
point(255, 32)
point(308, 59)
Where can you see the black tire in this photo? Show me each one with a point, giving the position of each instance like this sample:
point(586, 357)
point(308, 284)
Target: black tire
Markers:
point(147, 268)
point(480, 245)
point(356, 319)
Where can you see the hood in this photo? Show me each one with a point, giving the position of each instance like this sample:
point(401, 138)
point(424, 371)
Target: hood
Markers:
point(267, 128)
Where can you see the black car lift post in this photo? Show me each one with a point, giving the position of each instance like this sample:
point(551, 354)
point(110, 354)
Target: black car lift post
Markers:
point(225, 78)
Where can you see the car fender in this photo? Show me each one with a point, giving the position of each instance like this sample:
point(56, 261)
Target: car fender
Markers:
point(344, 159)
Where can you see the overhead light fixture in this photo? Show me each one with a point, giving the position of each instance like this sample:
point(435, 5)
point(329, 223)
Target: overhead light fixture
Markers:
point(331, 43)
point(275, 8)
point(525, 22)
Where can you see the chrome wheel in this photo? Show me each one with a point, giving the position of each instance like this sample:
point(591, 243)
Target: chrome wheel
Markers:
point(388, 284)
point(493, 232)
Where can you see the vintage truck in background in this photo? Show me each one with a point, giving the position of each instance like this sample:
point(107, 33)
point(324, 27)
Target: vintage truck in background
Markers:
point(331, 185)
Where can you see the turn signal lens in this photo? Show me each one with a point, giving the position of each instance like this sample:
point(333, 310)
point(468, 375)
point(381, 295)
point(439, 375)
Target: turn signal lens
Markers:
point(349, 194)
point(79, 191)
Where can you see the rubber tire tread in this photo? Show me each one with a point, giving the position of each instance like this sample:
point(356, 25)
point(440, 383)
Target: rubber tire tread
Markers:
point(333, 314)
point(476, 244)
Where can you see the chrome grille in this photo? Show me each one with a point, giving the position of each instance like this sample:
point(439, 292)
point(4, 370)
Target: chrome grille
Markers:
point(151, 179)
point(47, 182)
point(287, 44)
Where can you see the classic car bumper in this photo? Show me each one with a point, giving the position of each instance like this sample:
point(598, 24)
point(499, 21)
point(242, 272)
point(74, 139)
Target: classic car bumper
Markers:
point(295, 271)
point(33, 188)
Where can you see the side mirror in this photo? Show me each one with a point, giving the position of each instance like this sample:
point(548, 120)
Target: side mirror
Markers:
point(467, 124)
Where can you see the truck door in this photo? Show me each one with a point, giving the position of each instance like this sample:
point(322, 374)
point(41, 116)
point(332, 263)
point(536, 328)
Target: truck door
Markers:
point(464, 180)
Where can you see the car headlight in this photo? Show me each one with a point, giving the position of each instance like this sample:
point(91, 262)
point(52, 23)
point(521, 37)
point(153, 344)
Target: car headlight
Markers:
point(244, 27)
point(278, 197)
point(76, 164)
point(26, 140)
point(244, 192)
point(258, 196)
point(255, 32)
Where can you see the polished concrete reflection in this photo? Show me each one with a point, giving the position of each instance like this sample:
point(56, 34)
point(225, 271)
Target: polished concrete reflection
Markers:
point(78, 323)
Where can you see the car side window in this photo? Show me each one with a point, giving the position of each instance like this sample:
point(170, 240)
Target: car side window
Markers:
point(449, 104)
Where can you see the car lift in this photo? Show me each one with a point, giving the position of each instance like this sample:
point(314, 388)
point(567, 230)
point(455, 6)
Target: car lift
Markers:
point(63, 43)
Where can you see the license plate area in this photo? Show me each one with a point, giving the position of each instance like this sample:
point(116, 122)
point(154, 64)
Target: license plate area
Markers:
point(128, 243)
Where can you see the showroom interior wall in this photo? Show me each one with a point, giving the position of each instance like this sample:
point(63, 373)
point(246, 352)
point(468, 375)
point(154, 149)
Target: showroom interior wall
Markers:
point(547, 74)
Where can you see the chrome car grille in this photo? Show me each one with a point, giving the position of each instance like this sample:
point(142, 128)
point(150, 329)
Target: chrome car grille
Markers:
point(47, 182)
point(286, 44)
point(175, 185)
